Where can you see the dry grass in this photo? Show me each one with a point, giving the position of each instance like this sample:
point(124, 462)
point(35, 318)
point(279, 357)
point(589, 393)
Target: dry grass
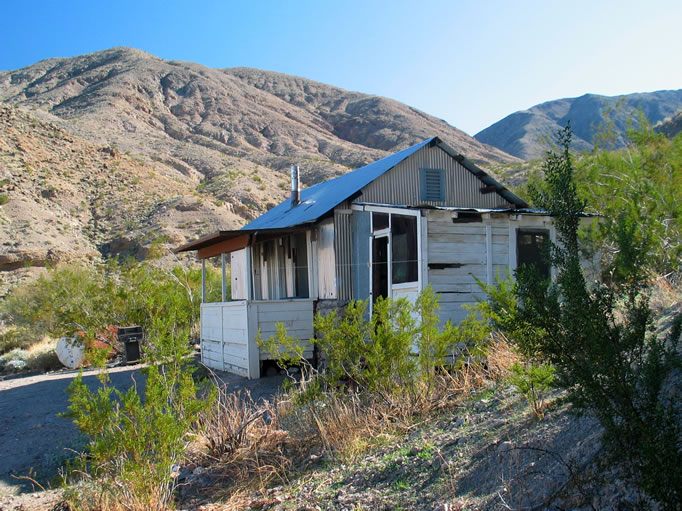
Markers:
point(251, 445)
point(89, 496)
point(245, 442)
point(666, 291)
point(42, 355)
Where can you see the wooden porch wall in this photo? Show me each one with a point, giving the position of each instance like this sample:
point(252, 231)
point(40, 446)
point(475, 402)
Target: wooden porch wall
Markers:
point(225, 337)
point(229, 331)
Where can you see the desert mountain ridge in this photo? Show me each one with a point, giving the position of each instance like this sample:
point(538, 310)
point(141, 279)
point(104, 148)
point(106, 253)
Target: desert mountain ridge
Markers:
point(525, 133)
point(102, 154)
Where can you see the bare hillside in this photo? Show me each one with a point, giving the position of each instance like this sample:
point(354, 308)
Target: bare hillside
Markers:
point(63, 198)
point(195, 115)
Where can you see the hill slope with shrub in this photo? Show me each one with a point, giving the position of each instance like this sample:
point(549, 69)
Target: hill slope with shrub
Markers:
point(525, 133)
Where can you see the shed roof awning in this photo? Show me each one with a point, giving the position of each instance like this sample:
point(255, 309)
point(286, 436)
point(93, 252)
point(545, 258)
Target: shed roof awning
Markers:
point(222, 242)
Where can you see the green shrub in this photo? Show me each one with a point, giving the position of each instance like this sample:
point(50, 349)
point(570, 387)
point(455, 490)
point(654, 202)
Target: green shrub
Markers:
point(639, 186)
point(16, 338)
point(134, 440)
point(88, 298)
point(399, 349)
point(4, 199)
point(533, 381)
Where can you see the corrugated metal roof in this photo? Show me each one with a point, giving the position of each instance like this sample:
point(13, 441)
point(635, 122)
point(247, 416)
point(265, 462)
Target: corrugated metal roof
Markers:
point(321, 198)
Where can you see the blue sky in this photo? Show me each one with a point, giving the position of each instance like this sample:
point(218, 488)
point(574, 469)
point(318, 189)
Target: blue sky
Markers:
point(470, 63)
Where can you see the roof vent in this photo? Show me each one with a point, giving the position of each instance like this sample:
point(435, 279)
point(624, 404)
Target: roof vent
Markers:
point(432, 184)
point(295, 186)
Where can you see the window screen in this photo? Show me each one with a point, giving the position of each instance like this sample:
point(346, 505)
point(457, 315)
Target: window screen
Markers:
point(404, 248)
point(432, 184)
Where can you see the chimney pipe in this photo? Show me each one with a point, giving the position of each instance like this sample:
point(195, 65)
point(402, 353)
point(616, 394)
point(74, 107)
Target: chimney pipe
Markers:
point(295, 186)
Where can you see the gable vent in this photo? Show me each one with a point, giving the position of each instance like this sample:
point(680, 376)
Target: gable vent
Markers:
point(432, 184)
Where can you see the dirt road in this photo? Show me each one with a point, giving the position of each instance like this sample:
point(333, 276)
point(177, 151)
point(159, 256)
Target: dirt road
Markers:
point(34, 440)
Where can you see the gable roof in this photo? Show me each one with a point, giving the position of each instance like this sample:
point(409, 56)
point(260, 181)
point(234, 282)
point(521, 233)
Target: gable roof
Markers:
point(320, 199)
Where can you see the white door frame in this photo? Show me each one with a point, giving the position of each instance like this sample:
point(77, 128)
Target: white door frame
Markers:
point(388, 232)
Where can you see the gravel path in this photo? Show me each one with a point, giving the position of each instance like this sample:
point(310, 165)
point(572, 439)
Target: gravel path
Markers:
point(34, 440)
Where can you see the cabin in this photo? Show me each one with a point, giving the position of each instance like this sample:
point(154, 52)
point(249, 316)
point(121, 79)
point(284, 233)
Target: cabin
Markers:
point(424, 215)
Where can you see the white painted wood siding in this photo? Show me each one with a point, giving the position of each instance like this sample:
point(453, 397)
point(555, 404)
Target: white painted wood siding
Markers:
point(225, 336)
point(296, 315)
point(326, 259)
point(239, 274)
point(470, 251)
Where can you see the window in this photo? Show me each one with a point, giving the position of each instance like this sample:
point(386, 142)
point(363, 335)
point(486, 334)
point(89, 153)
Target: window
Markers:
point(404, 249)
point(299, 259)
point(532, 250)
point(432, 185)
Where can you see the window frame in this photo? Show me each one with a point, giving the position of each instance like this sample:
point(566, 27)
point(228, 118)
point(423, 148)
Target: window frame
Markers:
point(530, 230)
point(387, 231)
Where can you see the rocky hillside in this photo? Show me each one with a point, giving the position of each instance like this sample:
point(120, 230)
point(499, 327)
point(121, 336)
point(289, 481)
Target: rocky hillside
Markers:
point(64, 198)
point(523, 133)
point(670, 126)
point(202, 121)
point(103, 153)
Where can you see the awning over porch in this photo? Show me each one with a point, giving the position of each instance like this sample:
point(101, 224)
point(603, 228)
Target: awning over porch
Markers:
point(224, 242)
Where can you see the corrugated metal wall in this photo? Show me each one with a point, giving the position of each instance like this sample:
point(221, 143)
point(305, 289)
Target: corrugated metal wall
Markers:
point(361, 231)
point(343, 244)
point(400, 185)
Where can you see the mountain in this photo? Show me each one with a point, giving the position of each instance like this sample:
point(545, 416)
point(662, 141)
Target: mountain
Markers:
point(523, 133)
point(102, 154)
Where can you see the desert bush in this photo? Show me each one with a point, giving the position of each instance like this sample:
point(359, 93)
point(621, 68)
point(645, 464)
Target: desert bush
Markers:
point(89, 298)
point(599, 338)
point(533, 381)
point(135, 441)
point(396, 351)
point(14, 360)
point(257, 443)
point(647, 175)
point(40, 356)
point(386, 369)
point(16, 338)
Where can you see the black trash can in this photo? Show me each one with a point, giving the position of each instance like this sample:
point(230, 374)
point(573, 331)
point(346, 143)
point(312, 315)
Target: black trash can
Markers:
point(131, 337)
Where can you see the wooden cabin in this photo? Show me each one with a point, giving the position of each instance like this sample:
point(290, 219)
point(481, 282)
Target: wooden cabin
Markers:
point(424, 215)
